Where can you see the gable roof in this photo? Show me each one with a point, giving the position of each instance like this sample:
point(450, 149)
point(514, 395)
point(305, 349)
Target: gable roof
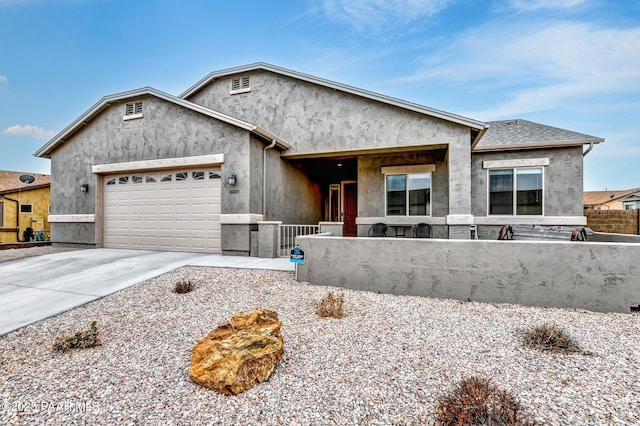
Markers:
point(596, 198)
point(522, 134)
point(107, 101)
point(474, 124)
point(631, 197)
point(10, 181)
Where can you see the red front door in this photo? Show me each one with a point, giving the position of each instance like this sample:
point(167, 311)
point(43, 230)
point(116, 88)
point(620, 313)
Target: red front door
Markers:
point(349, 209)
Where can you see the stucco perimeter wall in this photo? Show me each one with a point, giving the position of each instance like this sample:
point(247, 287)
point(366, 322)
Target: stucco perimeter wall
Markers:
point(595, 276)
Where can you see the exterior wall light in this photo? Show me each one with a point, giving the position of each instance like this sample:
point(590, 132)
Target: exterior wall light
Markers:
point(84, 187)
point(232, 180)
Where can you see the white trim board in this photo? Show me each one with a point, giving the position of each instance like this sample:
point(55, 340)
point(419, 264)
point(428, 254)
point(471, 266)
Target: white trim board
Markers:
point(240, 219)
point(72, 218)
point(515, 162)
point(163, 163)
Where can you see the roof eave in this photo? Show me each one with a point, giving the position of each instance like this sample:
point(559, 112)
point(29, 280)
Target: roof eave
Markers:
point(475, 124)
point(537, 145)
point(107, 101)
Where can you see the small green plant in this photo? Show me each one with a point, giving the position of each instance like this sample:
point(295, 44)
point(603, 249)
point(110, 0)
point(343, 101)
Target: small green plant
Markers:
point(549, 337)
point(331, 306)
point(81, 339)
point(476, 401)
point(184, 287)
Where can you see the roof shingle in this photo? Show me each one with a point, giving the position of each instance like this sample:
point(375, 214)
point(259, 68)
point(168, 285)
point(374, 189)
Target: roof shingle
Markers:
point(514, 134)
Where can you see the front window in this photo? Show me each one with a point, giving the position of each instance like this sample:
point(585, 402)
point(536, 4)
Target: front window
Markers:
point(26, 208)
point(630, 206)
point(408, 194)
point(515, 191)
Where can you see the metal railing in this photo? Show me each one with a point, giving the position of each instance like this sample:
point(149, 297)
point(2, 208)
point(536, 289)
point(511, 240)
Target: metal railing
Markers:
point(287, 236)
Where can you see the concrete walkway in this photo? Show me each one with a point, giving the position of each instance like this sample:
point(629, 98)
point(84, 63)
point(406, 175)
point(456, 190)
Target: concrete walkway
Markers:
point(36, 288)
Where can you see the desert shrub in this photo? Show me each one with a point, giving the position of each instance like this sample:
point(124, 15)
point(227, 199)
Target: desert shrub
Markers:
point(184, 287)
point(81, 339)
point(331, 306)
point(476, 401)
point(549, 337)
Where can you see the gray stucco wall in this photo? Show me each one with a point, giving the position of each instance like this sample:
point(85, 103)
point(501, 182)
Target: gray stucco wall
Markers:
point(165, 131)
point(314, 118)
point(291, 197)
point(371, 184)
point(595, 276)
point(562, 179)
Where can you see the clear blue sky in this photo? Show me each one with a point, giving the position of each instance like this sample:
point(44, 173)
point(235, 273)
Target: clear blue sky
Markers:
point(573, 64)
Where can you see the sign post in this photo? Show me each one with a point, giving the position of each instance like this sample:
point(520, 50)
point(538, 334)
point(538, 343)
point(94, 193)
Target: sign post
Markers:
point(297, 257)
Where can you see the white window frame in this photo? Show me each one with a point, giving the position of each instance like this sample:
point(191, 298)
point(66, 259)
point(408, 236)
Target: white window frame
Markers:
point(406, 171)
point(133, 110)
point(629, 205)
point(25, 205)
point(240, 84)
point(515, 190)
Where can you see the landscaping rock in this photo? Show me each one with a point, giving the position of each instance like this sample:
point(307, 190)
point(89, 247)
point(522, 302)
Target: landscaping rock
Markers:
point(239, 353)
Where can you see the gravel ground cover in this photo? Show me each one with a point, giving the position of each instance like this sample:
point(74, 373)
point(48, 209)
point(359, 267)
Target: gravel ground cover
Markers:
point(387, 361)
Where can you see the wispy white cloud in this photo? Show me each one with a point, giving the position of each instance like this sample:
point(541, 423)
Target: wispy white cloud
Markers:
point(29, 130)
point(531, 5)
point(549, 65)
point(3, 79)
point(382, 15)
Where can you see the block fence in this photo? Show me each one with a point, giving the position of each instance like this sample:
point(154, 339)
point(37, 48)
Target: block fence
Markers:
point(614, 221)
point(595, 276)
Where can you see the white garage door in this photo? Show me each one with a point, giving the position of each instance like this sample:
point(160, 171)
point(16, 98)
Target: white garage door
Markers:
point(170, 210)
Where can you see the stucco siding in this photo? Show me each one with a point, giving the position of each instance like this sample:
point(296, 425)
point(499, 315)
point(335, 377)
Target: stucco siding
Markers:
point(165, 131)
point(39, 198)
point(562, 180)
point(314, 118)
point(291, 197)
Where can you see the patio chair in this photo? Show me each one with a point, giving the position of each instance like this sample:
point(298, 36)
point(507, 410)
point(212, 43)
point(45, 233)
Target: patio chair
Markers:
point(378, 230)
point(422, 230)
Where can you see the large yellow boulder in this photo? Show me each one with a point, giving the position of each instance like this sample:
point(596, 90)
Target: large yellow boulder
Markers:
point(239, 353)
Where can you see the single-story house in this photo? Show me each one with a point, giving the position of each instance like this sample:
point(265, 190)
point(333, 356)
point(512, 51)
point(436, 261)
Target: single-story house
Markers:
point(608, 200)
point(260, 143)
point(24, 203)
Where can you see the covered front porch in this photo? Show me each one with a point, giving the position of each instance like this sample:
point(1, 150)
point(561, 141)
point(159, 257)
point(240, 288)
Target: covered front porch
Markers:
point(398, 187)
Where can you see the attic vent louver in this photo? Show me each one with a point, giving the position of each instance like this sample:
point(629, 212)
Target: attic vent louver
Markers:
point(133, 110)
point(240, 85)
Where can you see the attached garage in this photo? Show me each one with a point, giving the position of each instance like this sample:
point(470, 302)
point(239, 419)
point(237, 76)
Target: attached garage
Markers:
point(163, 210)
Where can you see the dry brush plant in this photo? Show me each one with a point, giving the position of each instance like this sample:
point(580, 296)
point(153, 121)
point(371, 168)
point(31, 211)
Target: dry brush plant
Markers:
point(550, 337)
point(476, 401)
point(81, 339)
point(184, 286)
point(331, 306)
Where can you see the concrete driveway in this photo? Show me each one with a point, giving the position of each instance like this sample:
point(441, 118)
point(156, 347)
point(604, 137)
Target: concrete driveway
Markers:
point(36, 288)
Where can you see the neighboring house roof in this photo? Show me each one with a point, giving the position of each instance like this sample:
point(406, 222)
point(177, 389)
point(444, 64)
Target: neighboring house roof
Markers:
point(523, 134)
point(475, 124)
point(10, 181)
point(597, 198)
point(107, 101)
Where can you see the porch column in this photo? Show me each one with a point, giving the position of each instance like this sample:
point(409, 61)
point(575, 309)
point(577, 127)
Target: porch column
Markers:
point(460, 218)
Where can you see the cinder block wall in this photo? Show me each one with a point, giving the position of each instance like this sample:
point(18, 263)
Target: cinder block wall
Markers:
point(595, 276)
point(613, 221)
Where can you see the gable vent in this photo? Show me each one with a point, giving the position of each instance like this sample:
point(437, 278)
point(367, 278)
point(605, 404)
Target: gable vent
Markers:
point(240, 85)
point(133, 110)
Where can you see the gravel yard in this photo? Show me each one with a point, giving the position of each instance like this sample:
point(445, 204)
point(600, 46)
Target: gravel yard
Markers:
point(386, 362)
